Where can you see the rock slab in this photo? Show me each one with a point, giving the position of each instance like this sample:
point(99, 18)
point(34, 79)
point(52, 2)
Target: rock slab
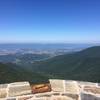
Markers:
point(3, 90)
point(19, 88)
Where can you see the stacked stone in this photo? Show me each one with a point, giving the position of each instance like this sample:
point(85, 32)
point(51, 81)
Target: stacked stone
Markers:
point(69, 90)
point(60, 90)
point(89, 91)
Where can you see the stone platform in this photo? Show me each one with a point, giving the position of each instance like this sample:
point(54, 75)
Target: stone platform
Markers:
point(55, 90)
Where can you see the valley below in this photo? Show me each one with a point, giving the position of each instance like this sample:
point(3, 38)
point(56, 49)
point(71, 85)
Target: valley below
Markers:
point(31, 65)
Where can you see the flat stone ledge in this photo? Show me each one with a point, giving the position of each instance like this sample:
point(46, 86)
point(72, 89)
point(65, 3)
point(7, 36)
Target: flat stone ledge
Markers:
point(72, 87)
point(61, 98)
point(11, 99)
point(25, 97)
point(19, 88)
point(56, 90)
point(81, 83)
point(91, 89)
point(57, 85)
point(47, 94)
point(3, 90)
point(73, 96)
point(85, 96)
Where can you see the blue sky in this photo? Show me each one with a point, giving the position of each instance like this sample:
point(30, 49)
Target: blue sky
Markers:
point(53, 21)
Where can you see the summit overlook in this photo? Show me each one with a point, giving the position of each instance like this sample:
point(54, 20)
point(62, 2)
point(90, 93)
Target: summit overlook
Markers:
point(50, 49)
point(54, 90)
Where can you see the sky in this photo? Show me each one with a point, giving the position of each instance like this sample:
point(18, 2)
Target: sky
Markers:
point(49, 21)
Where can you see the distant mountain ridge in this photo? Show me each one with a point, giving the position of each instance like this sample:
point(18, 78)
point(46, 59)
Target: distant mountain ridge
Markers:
point(83, 65)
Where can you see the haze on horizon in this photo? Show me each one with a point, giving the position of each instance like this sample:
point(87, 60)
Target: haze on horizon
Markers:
point(49, 21)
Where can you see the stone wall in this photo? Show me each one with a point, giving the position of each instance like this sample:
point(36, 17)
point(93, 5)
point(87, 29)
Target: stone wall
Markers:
point(55, 90)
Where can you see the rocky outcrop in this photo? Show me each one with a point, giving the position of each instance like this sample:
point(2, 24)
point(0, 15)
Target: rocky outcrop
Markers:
point(55, 90)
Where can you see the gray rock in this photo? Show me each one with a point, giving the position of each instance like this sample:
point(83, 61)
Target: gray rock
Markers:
point(85, 96)
point(72, 87)
point(42, 98)
point(3, 90)
point(61, 98)
point(73, 96)
point(19, 88)
point(57, 85)
point(92, 89)
point(48, 94)
point(25, 97)
point(86, 83)
point(11, 99)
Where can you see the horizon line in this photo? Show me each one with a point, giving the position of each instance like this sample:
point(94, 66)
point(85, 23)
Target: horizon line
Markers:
point(49, 43)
